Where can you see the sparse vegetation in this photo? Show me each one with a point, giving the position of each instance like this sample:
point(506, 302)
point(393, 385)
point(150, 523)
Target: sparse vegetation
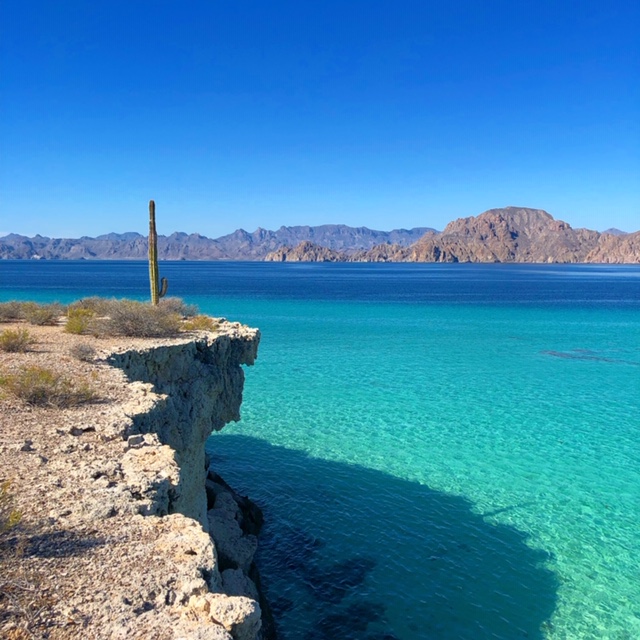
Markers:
point(138, 320)
point(43, 387)
point(98, 305)
point(108, 317)
point(11, 311)
point(179, 306)
point(42, 314)
point(16, 340)
point(83, 351)
point(200, 323)
point(9, 517)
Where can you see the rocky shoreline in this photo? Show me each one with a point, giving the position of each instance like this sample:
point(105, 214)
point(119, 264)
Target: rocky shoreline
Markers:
point(125, 532)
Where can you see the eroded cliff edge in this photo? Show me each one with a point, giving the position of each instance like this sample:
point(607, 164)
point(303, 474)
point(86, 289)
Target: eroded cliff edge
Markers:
point(114, 538)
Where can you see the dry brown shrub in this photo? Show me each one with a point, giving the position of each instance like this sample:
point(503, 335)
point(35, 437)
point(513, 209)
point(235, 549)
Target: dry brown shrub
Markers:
point(42, 314)
point(43, 387)
point(83, 352)
point(138, 320)
point(11, 311)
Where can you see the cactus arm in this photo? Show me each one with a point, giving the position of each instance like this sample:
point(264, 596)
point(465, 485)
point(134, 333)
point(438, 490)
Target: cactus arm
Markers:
point(164, 285)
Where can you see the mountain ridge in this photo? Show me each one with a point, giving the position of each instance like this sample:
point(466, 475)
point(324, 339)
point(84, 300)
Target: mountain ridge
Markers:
point(238, 245)
point(508, 234)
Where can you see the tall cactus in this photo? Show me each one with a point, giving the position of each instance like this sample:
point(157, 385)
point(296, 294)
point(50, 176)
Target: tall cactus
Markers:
point(157, 292)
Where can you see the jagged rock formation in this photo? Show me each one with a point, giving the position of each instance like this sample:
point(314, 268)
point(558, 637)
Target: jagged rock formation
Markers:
point(117, 499)
point(621, 248)
point(305, 252)
point(239, 245)
point(512, 234)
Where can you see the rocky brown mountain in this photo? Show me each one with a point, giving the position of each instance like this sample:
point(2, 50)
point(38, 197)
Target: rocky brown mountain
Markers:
point(305, 252)
point(618, 249)
point(511, 234)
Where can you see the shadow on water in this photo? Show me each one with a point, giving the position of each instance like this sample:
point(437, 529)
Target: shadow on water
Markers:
point(352, 553)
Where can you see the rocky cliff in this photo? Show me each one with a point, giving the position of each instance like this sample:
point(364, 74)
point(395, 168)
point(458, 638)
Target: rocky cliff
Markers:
point(127, 533)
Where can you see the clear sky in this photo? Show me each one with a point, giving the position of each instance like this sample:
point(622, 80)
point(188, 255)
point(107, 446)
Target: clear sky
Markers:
point(239, 113)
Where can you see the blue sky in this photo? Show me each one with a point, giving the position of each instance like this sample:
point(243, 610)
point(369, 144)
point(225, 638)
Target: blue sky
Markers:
point(377, 113)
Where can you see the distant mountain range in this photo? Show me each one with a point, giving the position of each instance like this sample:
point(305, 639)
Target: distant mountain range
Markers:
point(511, 234)
point(239, 245)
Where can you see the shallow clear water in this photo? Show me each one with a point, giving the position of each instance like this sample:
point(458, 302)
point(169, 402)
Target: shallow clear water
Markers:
point(441, 451)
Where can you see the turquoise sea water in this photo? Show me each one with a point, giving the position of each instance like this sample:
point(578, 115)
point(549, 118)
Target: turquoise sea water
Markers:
point(441, 451)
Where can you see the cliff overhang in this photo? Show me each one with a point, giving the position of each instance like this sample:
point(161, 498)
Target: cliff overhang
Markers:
point(117, 499)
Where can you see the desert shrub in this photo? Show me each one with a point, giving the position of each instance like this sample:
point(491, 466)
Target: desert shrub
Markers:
point(112, 317)
point(99, 306)
point(9, 517)
point(83, 351)
point(16, 340)
point(138, 320)
point(179, 306)
point(42, 314)
point(44, 387)
point(11, 311)
point(79, 320)
point(200, 323)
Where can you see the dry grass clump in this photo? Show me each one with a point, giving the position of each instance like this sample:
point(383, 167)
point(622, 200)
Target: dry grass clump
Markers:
point(83, 352)
point(39, 386)
point(16, 340)
point(200, 323)
point(9, 517)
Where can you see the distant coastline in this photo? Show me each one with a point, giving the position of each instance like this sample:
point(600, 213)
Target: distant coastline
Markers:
point(510, 234)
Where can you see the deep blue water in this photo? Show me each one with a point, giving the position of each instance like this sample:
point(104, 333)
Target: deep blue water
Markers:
point(441, 451)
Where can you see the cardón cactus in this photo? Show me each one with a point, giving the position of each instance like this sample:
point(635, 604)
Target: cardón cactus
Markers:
point(157, 292)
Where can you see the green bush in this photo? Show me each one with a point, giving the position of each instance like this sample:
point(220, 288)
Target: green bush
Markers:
point(16, 340)
point(43, 387)
point(79, 320)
